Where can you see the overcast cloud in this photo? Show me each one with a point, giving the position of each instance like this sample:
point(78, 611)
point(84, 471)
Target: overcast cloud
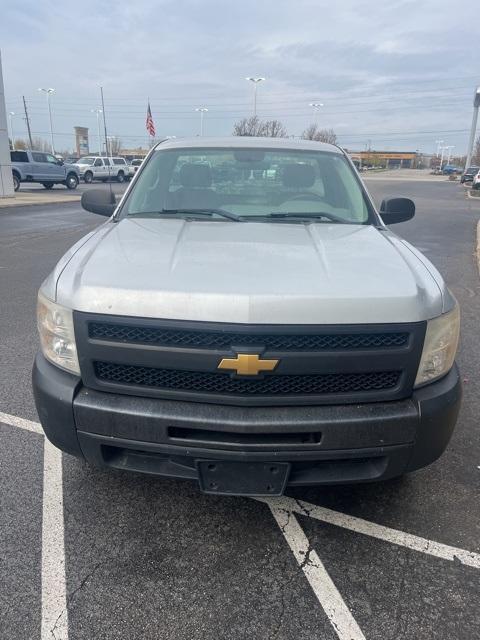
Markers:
point(400, 74)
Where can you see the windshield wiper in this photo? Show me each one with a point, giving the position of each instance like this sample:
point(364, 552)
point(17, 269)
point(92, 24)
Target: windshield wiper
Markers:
point(193, 212)
point(285, 215)
point(205, 212)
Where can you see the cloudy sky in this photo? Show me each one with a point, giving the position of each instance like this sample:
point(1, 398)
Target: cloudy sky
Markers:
point(393, 75)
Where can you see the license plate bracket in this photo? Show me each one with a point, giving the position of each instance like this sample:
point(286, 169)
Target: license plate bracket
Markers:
point(243, 478)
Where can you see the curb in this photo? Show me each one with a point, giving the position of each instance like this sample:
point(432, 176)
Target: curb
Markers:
point(12, 202)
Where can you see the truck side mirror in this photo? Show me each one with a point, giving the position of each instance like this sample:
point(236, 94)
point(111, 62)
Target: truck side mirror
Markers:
point(394, 210)
point(99, 201)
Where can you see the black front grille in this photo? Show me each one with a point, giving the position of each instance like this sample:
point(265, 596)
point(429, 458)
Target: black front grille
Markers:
point(220, 383)
point(225, 339)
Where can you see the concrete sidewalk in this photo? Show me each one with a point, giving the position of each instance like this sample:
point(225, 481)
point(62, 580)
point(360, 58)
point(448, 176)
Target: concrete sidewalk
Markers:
point(42, 197)
point(416, 175)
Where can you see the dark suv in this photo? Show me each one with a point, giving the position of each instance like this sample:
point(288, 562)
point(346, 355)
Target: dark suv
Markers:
point(468, 174)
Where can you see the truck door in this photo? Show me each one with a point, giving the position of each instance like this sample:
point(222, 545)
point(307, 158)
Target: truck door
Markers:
point(98, 169)
point(107, 169)
point(55, 169)
point(40, 167)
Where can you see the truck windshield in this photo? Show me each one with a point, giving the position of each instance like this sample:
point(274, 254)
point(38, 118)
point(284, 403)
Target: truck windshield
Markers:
point(250, 183)
point(85, 160)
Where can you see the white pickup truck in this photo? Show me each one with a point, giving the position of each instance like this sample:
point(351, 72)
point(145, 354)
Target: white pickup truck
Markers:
point(99, 168)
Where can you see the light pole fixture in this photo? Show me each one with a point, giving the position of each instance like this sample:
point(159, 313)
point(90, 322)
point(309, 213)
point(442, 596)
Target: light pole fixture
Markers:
point(476, 105)
point(438, 143)
point(255, 81)
point(48, 92)
point(316, 106)
point(202, 111)
point(10, 116)
point(98, 111)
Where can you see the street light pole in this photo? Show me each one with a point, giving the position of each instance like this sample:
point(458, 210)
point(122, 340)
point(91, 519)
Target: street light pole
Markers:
point(255, 83)
point(98, 111)
point(438, 143)
point(48, 92)
point(476, 105)
point(10, 116)
point(442, 149)
point(202, 111)
point(449, 155)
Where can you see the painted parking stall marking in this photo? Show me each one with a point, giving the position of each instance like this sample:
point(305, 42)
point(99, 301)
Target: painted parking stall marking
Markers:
point(54, 598)
point(54, 624)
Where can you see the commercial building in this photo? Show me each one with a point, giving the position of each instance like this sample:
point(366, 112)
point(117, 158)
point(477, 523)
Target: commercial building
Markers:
point(387, 159)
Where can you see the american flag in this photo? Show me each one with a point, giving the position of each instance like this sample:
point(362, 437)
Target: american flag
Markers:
point(149, 123)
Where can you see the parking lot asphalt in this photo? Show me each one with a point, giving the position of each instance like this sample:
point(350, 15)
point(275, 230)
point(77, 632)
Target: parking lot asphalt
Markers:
point(153, 558)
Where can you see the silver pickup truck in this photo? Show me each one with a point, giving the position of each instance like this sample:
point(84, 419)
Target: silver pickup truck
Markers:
point(38, 166)
point(246, 319)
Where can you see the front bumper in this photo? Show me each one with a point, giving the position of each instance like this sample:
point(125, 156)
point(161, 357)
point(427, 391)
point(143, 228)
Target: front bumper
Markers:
point(323, 444)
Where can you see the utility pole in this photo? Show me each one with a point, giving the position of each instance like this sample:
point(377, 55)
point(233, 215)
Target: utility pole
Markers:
point(476, 105)
point(438, 143)
point(27, 120)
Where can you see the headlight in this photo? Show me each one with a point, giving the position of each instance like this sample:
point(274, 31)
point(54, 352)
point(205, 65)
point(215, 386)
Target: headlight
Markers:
point(440, 347)
point(57, 337)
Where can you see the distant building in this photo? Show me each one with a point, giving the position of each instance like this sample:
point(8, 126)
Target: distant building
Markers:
point(387, 159)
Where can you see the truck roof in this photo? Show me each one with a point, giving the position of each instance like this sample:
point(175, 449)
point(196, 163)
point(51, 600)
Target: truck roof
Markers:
point(248, 141)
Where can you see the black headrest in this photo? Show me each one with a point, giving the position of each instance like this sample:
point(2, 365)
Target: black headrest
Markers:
point(298, 175)
point(195, 175)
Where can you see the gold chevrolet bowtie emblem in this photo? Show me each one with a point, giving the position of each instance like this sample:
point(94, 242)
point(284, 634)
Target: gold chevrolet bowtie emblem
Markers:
point(247, 364)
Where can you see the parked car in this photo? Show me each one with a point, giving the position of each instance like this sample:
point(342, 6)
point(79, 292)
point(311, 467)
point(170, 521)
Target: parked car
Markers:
point(476, 181)
point(469, 174)
point(99, 168)
point(248, 334)
point(449, 169)
point(45, 168)
point(134, 166)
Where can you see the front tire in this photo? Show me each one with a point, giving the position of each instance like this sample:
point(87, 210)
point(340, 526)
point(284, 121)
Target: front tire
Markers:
point(120, 177)
point(16, 182)
point(88, 177)
point(72, 181)
point(48, 185)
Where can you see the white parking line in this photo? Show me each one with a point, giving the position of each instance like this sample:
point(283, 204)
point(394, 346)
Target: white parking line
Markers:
point(54, 594)
point(323, 586)
point(368, 528)
point(28, 425)
point(54, 598)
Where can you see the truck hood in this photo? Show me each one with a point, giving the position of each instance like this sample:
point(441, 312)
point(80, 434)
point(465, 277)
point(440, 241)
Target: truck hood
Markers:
point(250, 273)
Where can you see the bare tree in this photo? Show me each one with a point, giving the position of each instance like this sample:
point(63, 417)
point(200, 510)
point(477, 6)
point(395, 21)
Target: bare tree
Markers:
point(39, 144)
point(312, 132)
point(114, 146)
point(273, 129)
point(20, 144)
point(248, 127)
point(255, 127)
